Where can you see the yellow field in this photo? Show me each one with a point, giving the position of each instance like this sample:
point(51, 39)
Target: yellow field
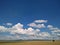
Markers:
point(32, 43)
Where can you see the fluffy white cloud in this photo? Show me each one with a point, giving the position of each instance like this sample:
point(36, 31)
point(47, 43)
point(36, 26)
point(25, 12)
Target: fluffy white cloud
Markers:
point(18, 25)
point(18, 28)
point(8, 24)
point(45, 34)
point(58, 34)
point(29, 31)
point(49, 26)
point(40, 21)
point(54, 29)
point(55, 32)
point(3, 29)
point(32, 24)
point(18, 32)
point(36, 25)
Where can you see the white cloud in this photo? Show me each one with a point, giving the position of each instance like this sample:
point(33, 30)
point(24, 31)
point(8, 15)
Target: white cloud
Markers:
point(33, 32)
point(40, 26)
point(55, 32)
point(58, 34)
point(49, 26)
point(32, 24)
point(3, 29)
point(29, 31)
point(19, 25)
point(18, 31)
point(45, 34)
point(9, 24)
point(54, 29)
point(36, 25)
point(40, 21)
point(18, 28)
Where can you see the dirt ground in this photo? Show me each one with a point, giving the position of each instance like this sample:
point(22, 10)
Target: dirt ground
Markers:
point(31, 43)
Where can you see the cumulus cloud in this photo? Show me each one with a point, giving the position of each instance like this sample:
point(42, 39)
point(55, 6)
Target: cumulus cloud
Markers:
point(32, 24)
point(36, 25)
point(19, 29)
point(49, 26)
point(55, 31)
point(20, 33)
point(8, 24)
point(32, 32)
point(40, 21)
point(3, 29)
point(45, 34)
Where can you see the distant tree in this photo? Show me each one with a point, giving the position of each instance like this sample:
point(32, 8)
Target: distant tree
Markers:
point(53, 40)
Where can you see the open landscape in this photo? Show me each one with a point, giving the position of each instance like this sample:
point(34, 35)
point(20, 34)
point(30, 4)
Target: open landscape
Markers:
point(29, 22)
point(31, 43)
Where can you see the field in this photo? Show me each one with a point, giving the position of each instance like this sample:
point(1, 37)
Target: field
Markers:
point(31, 43)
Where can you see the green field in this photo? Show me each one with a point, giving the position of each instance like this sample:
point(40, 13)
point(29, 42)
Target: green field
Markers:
point(31, 43)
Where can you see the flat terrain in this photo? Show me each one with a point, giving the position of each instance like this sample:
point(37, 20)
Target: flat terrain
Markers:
point(31, 43)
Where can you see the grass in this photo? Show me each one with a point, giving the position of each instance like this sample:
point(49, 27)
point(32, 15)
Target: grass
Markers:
point(31, 43)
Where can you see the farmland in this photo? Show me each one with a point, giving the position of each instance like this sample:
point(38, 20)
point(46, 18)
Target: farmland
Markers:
point(31, 43)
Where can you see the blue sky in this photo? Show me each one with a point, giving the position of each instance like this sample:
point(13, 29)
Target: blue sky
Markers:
point(16, 12)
